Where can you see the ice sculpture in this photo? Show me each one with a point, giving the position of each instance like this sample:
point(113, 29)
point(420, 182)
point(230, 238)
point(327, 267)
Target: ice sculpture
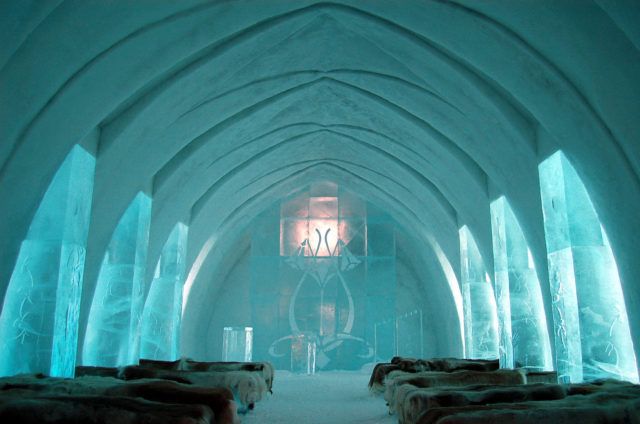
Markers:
point(160, 332)
point(39, 322)
point(322, 264)
point(303, 354)
point(592, 334)
point(480, 318)
point(113, 330)
point(237, 344)
point(524, 339)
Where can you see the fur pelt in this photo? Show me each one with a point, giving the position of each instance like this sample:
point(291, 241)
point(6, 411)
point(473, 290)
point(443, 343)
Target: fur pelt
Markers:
point(220, 400)
point(247, 387)
point(457, 378)
point(72, 409)
point(412, 365)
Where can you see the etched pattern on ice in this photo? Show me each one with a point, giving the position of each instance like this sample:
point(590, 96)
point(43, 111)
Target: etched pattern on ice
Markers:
point(39, 323)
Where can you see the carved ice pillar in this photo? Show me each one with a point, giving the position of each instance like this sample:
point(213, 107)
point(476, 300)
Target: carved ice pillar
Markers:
point(590, 319)
point(39, 322)
point(163, 307)
point(113, 330)
point(525, 335)
point(480, 319)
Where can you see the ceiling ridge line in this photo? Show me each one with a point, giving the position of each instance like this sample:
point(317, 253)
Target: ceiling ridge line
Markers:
point(201, 140)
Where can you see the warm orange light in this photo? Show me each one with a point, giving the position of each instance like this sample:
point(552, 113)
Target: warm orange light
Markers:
point(328, 240)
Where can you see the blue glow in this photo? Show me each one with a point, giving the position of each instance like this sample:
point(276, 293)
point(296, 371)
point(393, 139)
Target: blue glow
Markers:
point(113, 330)
point(480, 317)
point(592, 334)
point(524, 341)
point(160, 333)
point(39, 323)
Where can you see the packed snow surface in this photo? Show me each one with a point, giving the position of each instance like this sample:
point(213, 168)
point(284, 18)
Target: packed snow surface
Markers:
point(327, 397)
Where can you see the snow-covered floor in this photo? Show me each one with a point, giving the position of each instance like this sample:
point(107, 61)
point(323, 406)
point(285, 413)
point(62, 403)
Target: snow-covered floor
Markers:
point(327, 397)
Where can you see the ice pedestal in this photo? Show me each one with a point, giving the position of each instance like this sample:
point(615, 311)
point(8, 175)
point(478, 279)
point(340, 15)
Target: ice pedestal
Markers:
point(237, 344)
point(113, 331)
point(303, 354)
point(39, 322)
point(161, 317)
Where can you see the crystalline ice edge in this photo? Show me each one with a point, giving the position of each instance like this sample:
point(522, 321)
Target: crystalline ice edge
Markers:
point(481, 323)
point(590, 318)
point(160, 331)
point(524, 337)
point(39, 323)
point(113, 330)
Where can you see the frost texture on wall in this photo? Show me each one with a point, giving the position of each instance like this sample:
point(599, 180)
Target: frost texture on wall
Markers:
point(480, 318)
point(160, 332)
point(323, 265)
point(592, 336)
point(113, 330)
point(524, 341)
point(39, 322)
point(406, 331)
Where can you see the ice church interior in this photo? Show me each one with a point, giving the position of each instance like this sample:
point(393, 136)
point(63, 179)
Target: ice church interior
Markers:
point(320, 185)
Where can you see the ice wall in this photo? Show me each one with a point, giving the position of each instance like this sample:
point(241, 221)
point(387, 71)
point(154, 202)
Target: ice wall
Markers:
point(160, 330)
point(524, 341)
point(399, 336)
point(592, 334)
point(322, 264)
point(113, 330)
point(39, 322)
point(480, 318)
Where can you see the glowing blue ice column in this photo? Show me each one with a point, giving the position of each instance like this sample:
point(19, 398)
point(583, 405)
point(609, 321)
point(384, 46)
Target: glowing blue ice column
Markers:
point(113, 330)
point(39, 322)
point(160, 332)
point(480, 318)
point(590, 318)
point(520, 298)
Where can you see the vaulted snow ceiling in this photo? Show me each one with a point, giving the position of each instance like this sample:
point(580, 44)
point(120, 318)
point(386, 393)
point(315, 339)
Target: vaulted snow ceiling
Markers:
point(216, 109)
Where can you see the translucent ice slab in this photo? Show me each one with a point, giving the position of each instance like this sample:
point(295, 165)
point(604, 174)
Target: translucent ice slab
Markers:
point(39, 322)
